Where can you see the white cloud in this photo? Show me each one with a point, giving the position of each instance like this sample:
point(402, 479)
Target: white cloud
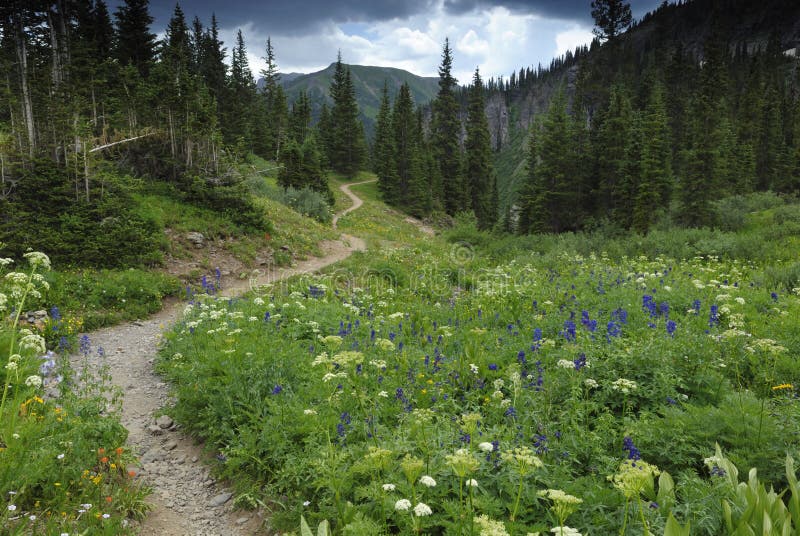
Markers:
point(496, 40)
point(473, 45)
point(572, 38)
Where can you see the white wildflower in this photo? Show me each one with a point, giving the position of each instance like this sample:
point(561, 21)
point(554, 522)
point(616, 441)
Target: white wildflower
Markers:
point(388, 487)
point(590, 383)
point(486, 446)
point(565, 363)
point(33, 381)
point(422, 510)
point(427, 481)
point(474, 368)
point(309, 412)
point(402, 505)
point(471, 483)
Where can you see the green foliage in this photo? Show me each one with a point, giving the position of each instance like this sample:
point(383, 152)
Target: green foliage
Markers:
point(333, 424)
point(63, 464)
point(479, 172)
point(100, 228)
point(308, 202)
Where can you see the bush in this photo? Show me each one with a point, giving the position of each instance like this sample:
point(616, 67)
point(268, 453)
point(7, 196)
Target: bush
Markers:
point(42, 212)
point(730, 213)
point(231, 199)
point(308, 202)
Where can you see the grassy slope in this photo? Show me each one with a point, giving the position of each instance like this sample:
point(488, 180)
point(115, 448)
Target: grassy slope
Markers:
point(549, 264)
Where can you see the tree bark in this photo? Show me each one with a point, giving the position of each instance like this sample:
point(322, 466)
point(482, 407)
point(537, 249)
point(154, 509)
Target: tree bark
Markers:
point(22, 60)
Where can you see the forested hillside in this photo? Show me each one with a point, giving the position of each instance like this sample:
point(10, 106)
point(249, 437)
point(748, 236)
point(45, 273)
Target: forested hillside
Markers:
point(698, 100)
point(367, 82)
point(94, 109)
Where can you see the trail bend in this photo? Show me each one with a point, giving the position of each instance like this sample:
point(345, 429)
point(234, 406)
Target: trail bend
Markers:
point(186, 499)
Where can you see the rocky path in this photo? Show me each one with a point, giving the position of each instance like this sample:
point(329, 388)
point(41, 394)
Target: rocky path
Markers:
point(186, 499)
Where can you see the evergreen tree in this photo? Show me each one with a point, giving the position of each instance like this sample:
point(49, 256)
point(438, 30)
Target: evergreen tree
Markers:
point(312, 173)
point(611, 147)
point(479, 173)
point(291, 173)
point(277, 107)
point(700, 184)
point(445, 133)
point(411, 189)
point(346, 144)
point(611, 17)
point(238, 125)
point(552, 193)
point(300, 118)
point(654, 187)
point(383, 163)
point(135, 44)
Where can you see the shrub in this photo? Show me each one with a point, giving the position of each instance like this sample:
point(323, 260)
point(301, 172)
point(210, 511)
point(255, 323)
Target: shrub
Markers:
point(308, 202)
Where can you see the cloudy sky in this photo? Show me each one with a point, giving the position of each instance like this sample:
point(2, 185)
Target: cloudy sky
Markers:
point(498, 36)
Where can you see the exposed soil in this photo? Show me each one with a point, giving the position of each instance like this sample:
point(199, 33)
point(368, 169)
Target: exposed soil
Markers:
point(186, 499)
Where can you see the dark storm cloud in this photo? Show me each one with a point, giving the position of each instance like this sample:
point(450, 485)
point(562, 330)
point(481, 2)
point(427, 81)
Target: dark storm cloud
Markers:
point(577, 10)
point(290, 16)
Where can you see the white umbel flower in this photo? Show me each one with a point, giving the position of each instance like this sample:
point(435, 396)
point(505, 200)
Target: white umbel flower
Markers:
point(422, 510)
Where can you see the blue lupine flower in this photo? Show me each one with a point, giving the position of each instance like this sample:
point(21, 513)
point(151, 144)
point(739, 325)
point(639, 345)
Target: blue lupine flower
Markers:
point(633, 452)
point(64, 344)
point(713, 316)
point(671, 327)
point(521, 356)
point(718, 471)
point(580, 362)
point(619, 315)
point(511, 412)
point(55, 314)
point(671, 401)
point(537, 334)
point(613, 330)
point(277, 390)
point(266, 316)
point(696, 307)
point(664, 309)
point(85, 345)
point(649, 305)
point(569, 330)
point(540, 443)
point(774, 296)
point(492, 366)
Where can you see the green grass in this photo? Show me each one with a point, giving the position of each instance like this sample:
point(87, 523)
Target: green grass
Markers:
point(385, 365)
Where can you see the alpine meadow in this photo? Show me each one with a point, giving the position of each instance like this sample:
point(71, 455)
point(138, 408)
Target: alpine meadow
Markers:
point(463, 268)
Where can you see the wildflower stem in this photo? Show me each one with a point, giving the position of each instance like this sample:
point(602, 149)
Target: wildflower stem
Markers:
point(14, 325)
point(645, 529)
point(516, 502)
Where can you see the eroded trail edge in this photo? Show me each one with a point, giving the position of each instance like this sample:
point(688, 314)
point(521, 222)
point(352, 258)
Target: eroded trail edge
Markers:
point(186, 499)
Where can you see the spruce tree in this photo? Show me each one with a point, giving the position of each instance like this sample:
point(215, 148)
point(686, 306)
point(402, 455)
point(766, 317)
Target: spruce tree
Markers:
point(276, 105)
point(654, 187)
point(300, 118)
point(135, 44)
point(383, 163)
point(445, 133)
point(610, 148)
point(479, 173)
point(551, 192)
point(411, 194)
point(611, 17)
point(346, 149)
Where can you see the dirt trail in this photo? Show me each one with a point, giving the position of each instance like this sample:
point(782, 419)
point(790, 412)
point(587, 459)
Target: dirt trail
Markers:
point(186, 500)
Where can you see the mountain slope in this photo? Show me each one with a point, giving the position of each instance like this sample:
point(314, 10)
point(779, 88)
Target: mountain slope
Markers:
point(368, 83)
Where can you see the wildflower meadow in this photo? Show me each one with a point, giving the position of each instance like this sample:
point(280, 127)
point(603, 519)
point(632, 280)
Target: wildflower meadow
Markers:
point(63, 460)
point(417, 390)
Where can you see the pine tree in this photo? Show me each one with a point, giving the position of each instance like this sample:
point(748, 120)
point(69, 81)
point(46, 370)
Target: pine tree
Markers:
point(611, 146)
point(611, 18)
point(445, 133)
point(411, 190)
point(479, 173)
point(135, 44)
point(654, 187)
point(551, 193)
point(700, 183)
point(238, 125)
point(300, 118)
point(383, 163)
point(346, 149)
point(277, 107)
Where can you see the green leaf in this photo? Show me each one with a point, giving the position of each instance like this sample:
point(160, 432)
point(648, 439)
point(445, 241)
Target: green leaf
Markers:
point(305, 530)
point(324, 528)
point(673, 528)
